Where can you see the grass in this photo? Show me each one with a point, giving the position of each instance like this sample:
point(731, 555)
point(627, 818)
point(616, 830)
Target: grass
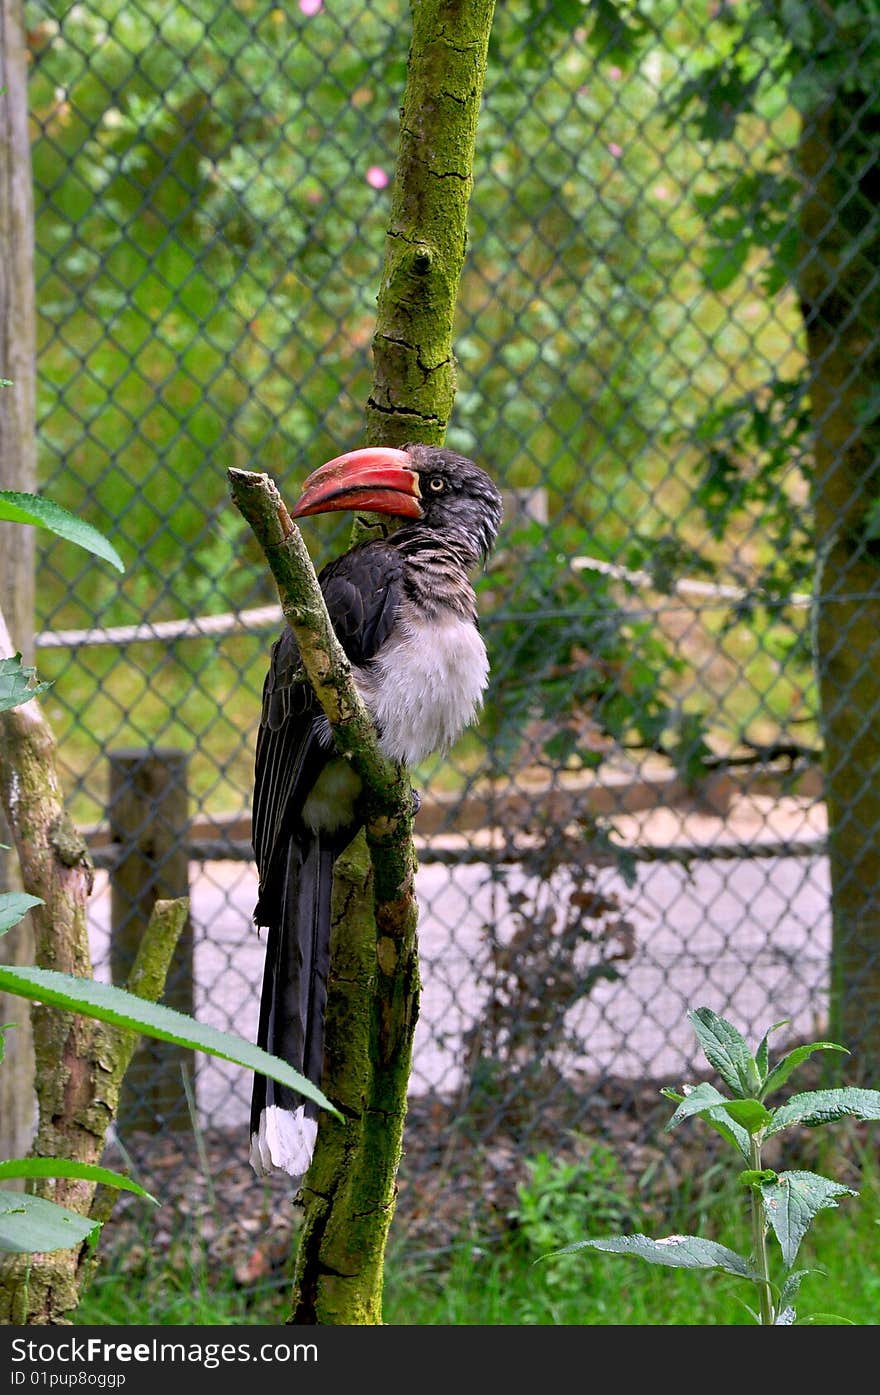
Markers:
point(475, 1286)
point(478, 1281)
point(178, 1297)
point(510, 1284)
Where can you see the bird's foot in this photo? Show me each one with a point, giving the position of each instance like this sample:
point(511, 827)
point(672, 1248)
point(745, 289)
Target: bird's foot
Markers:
point(416, 802)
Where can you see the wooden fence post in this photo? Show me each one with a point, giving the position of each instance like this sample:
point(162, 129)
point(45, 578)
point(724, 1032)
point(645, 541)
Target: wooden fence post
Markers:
point(148, 817)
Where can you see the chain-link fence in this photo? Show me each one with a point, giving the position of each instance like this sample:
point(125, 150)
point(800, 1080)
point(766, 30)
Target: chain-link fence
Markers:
point(666, 339)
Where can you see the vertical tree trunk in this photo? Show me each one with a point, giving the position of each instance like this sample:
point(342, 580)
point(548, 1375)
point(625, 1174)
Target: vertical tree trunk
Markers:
point(840, 297)
point(414, 363)
point(17, 471)
point(373, 988)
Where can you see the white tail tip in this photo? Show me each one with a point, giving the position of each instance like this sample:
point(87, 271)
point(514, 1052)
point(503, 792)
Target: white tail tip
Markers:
point(284, 1142)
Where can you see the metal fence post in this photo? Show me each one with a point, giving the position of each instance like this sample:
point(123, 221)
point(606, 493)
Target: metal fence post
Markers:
point(148, 816)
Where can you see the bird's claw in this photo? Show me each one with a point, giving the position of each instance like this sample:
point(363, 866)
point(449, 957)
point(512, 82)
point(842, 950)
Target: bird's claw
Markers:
point(416, 802)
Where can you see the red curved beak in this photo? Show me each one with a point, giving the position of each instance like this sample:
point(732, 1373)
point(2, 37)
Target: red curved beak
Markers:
point(377, 479)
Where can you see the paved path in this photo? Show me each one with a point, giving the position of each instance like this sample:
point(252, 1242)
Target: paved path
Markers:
point(748, 938)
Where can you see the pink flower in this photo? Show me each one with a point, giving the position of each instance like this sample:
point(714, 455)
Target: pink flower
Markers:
point(615, 149)
point(311, 7)
point(614, 72)
point(377, 178)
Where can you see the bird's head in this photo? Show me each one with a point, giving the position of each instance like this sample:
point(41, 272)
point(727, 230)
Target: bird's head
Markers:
point(444, 491)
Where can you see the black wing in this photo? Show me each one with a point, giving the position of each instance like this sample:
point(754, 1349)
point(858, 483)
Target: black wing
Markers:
point(362, 590)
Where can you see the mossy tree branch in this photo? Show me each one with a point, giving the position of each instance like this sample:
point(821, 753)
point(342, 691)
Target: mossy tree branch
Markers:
point(80, 1062)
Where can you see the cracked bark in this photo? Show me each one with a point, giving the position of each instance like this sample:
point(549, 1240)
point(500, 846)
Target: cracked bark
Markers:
point(414, 364)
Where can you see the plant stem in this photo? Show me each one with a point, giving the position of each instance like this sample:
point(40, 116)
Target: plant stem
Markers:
point(759, 1243)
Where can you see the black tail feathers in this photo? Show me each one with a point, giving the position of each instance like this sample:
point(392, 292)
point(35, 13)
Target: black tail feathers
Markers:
point(284, 1126)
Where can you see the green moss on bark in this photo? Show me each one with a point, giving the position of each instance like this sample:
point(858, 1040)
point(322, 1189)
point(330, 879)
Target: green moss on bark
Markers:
point(414, 364)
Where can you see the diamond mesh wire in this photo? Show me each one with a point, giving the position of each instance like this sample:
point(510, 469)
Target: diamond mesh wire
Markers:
point(638, 826)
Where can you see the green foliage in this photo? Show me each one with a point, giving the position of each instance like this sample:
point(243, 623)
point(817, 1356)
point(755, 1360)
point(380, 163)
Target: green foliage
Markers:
point(785, 1203)
point(17, 683)
point(62, 1167)
point(122, 1009)
point(791, 1200)
point(209, 249)
point(757, 63)
point(31, 1224)
point(563, 1198)
point(16, 507)
point(748, 212)
point(274, 225)
point(13, 906)
point(567, 661)
point(673, 1252)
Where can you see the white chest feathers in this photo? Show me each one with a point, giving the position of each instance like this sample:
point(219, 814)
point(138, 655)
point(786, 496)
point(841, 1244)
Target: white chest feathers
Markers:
point(425, 686)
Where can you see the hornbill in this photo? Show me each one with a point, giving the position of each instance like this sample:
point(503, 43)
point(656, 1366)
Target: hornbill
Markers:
point(405, 614)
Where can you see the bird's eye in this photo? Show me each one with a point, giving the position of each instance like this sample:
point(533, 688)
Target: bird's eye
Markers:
point(436, 484)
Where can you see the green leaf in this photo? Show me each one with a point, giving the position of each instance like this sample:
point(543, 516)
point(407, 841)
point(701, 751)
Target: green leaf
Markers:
point(15, 683)
point(751, 1114)
point(45, 513)
point(696, 1100)
point(14, 906)
point(867, 411)
point(724, 263)
point(783, 1069)
point(726, 1050)
point(762, 1055)
point(833, 1319)
point(63, 1167)
point(817, 1107)
point(109, 1004)
point(792, 1285)
point(792, 1201)
point(615, 34)
point(688, 749)
point(871, 525)
point(674, 1252)
point(707, 1102)
point(31, 1225)
point(753, 1176)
